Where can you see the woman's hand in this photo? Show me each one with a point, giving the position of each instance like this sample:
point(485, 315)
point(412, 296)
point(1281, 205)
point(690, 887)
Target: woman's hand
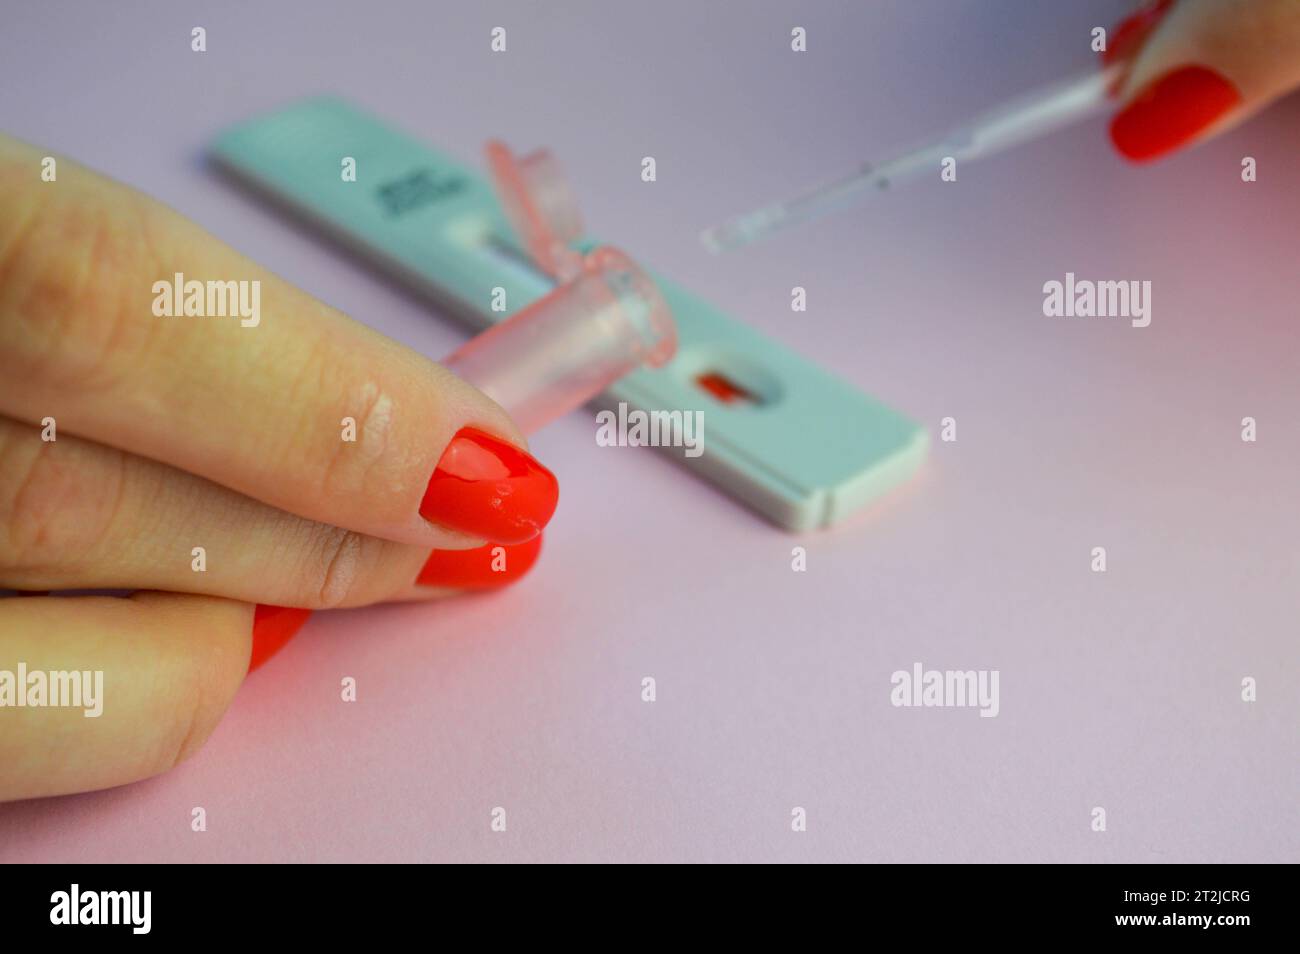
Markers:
point(1197, 68)
point(278, 453)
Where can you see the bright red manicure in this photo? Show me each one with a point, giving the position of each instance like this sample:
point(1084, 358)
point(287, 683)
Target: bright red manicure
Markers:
point(1171, 112)
point(273, 626)
point(1129, 35)
point(494, 564)
point(488, 488)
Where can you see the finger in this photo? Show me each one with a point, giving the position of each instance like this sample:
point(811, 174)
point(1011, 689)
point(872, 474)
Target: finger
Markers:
point(170, 665)
point(78, 515)
point(463, 571)
point(484, 568)
point(1127, 37)
point(1203, 68)
point(273, 627)
point(287, 401)
point(446, 573)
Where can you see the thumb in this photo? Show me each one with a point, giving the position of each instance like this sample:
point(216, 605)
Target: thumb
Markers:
point(1202, 67)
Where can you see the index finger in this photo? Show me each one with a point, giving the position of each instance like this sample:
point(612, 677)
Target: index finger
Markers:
point(107, 326)
point(1203, 67)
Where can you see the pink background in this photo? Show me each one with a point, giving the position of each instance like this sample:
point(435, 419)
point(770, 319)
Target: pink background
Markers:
point(1118, 690)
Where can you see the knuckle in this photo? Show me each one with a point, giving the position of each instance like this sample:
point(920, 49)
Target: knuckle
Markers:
point(343, 568)
point(71, 310)
point(373, 458)
point(59, 502)
point(207, 689)
point(354, 463)
point(193, 727)
point(358, 439)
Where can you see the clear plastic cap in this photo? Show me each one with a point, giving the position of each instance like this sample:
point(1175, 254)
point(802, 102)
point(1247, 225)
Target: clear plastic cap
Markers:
point(540, 206)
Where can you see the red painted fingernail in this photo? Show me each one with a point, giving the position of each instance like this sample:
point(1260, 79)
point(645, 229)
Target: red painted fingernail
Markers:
point(273, 626)
point(1171, 111)
point(488, 488)
point(1127, 38)
point(494, 564)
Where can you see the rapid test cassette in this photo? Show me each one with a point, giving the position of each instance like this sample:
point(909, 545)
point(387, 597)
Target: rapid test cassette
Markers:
point(790, 440)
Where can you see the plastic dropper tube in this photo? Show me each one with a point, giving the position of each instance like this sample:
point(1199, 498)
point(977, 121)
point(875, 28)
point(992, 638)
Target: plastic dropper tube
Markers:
point(1020, 120)
point(564, 349)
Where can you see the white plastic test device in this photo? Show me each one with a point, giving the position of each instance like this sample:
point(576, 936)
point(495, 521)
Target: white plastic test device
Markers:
point(788, 439)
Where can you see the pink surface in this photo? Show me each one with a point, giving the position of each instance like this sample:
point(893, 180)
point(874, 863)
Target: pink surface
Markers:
point(1119, 690)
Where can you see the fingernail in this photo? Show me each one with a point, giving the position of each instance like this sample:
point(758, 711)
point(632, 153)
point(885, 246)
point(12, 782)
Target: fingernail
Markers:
point(495, 564)
point(273, 626)
point(1171, 112)
point(488, 488)
point(1128, 36)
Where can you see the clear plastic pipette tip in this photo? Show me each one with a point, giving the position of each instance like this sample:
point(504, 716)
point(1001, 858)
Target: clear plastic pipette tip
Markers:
point(742, 230)
point(1020, 120)
point(752, 226)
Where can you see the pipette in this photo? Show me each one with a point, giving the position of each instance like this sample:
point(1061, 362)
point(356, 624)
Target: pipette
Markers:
point(1024, 118)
